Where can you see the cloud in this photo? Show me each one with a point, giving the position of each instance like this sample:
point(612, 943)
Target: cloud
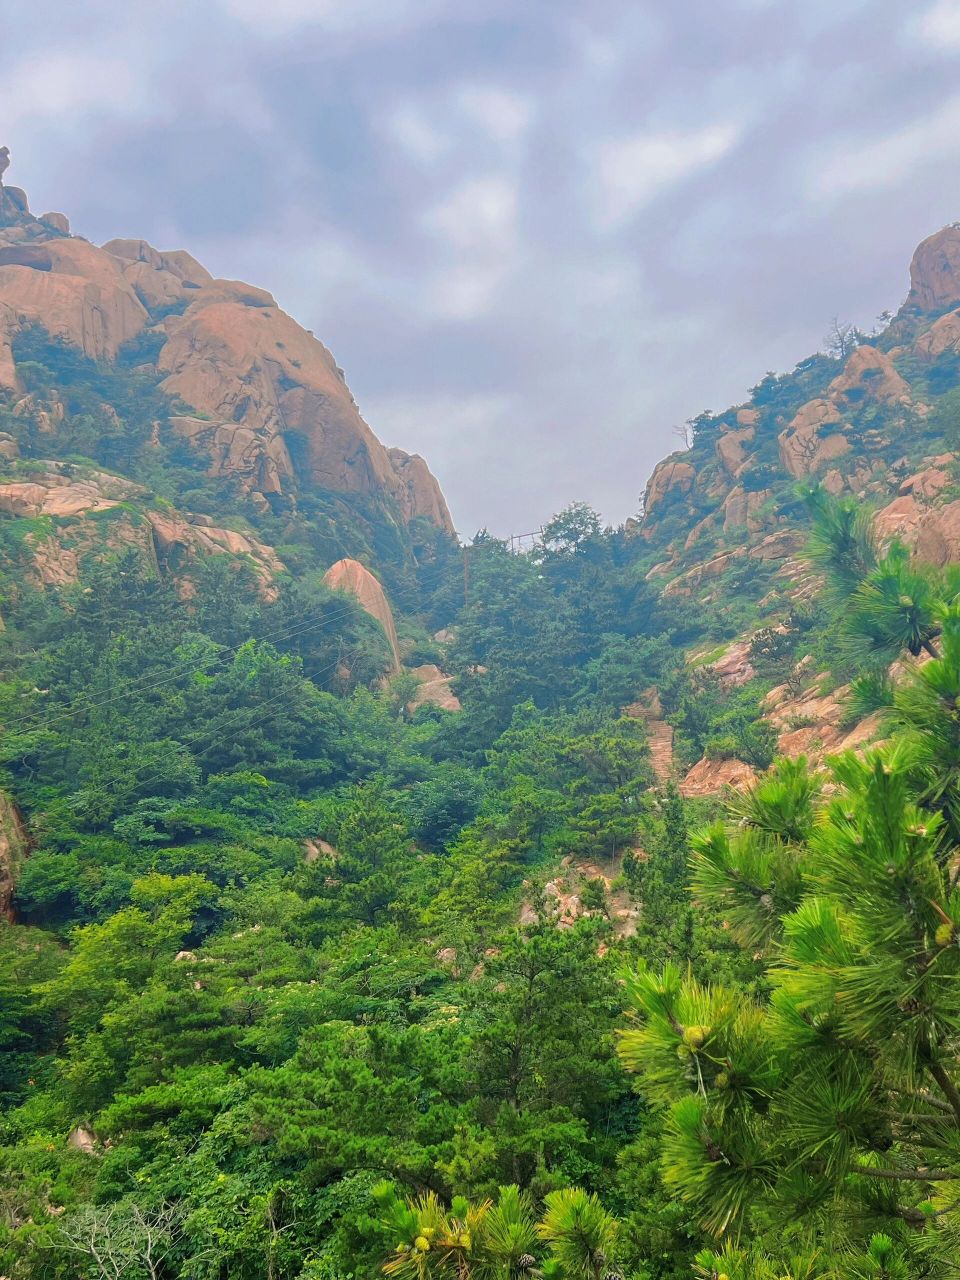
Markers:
point(633, 171)
point(410, 126)
point(503, 115)
point(479, 217)
point(939, 26)
point(535, 235)
point(64, 86)
point(885, 162)
point(372, 19)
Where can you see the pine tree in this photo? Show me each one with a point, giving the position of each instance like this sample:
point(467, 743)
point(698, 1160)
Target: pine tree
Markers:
point(827, 1115)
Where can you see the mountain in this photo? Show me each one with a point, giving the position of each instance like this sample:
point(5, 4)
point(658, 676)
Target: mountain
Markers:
point(876, 417)
point(259, 397)
point(353, 882)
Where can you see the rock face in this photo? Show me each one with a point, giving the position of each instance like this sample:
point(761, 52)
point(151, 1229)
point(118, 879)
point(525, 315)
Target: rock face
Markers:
point(13, 851)
point(671, 475)
point(351, 576)
point(275, 411)
point(868, 374)
point(74, 290)
point(435, 689)
point(70, 497)
point(811, 439)
point(935, 271)
point(708, 777)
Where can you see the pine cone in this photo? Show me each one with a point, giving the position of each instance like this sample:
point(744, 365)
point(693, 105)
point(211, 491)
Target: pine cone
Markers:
point(526, 1261)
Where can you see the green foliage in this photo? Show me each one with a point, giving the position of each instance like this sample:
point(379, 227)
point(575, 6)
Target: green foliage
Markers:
point(826, 1112)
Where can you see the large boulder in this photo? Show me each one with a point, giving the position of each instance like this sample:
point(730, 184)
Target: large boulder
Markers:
point(812, 438)
point(235, 357)
point(672, 475)
point(351, 577)
point(935, 271)
point(869, 374)
point(14, 847)
point(730, 448)
point(710, 777)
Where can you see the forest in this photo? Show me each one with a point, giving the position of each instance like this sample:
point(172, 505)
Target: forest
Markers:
point(291, 989)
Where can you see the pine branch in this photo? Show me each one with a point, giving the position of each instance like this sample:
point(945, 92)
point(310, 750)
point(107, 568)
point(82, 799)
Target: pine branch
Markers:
point(949, 1089)
point(909, 1175)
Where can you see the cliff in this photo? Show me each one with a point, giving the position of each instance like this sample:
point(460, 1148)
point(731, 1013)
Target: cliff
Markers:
point(723, 527)
point(273, 412)
point(863, 420)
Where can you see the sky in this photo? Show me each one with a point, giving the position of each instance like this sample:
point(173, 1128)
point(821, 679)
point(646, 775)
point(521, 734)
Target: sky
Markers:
point(538, 235)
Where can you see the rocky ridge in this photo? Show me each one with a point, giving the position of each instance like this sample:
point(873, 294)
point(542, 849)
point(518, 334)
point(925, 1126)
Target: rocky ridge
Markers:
point(264, 398)
point(722, 521)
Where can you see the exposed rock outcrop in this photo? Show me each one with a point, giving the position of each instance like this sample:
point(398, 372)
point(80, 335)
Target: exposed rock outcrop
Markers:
point(70, 498)
point(74, 290)
point(14, 847)
point(275, 411)
point(671, 475)
point(868, 374)
point(710, 777)
point(811, 438)
point(351, 577)
point(435, 689)
point(278, 404)
point(935, 271)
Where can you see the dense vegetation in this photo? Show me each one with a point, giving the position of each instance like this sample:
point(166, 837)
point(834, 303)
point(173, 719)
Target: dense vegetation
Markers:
point(291, 964)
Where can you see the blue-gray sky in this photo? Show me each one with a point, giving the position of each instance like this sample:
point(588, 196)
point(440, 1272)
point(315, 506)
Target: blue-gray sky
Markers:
point(536, 234)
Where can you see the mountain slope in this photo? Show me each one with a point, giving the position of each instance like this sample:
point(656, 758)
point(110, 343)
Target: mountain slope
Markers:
point(272, 409)
point(862, 420)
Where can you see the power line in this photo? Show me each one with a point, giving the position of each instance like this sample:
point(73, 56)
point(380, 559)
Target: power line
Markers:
point(144, 683)
point(187, 742)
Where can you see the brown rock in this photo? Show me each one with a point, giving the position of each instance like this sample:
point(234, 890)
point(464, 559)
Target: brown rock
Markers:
point(935, 271)
point(173, 532)
point(685, 583)
point(928, 483)
point(82, 1139)
point(778, 546)
point(434, 689)
point(943, 335)
point(314, 850)
point(14, 848)
point(351, 576)
point(900, 518)
point(710, 777)
point(748, 417)
point(155, 289)
point(236, 357)
point(868, 374)
point(76, 291)
point(59, 222)
point(808, 442)
point(741, 508)
point(672, 474)
point(733, 668)
point(938, 537)
point(730, 448)
point(419, 493)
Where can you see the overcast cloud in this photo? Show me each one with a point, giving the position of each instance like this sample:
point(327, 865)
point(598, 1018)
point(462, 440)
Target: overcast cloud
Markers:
point(536, 235)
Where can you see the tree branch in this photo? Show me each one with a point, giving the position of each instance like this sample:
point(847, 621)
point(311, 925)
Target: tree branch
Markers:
point(950, 1091)
point(909, 1175)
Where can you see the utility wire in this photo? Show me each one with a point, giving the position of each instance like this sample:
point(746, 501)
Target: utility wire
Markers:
point(253, 712)
point(145, 683)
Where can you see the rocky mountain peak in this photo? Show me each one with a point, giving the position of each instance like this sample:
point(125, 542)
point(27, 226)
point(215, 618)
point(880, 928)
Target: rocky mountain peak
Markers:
point(935, 271)
point(263, 397)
